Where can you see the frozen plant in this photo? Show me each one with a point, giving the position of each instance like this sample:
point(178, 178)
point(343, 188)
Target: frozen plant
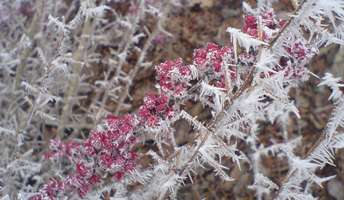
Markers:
point(49, 55)
point(240, 87)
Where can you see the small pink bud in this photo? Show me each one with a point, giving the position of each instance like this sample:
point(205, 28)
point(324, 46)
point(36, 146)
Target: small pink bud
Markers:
point(226, 51)
point(200, 63)
point(106, 160)
point(169, 113)
point(83, 170)
point(160, 107)
point(179, 91)
point(162, 99)
point(153, 121)
point(94, 179)
point(144, 112)
point(150, 101)
point(211, 47)
point(200, 53)
point(250, 20)
point(185, 71)
point(126, 129)
point(118, 176)
point(217, 67)
point(129, 167)
point(178, 63)
point(36, 197)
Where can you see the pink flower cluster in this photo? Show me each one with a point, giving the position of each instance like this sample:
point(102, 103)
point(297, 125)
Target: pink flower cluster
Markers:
point(155, 109)
point(82, 181)
point(212, 60)
point(268, 22)
point(173, 78)
point(109, 150)
point(36, 197)
point(212, 56)
point(84, 178)
point(72, 150)
point(113, 147)
point(292, 66)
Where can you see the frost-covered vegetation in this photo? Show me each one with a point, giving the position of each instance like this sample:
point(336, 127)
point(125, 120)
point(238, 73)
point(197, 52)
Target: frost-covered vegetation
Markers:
point(55, 146)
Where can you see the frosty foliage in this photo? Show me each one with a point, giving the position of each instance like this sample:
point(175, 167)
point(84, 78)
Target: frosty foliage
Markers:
point(53, 98)
point(243, 40)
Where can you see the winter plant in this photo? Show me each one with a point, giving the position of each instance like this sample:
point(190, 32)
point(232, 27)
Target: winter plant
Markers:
point(44, 77)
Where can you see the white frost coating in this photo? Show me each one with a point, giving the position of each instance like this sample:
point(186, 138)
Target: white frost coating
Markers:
point(243, 39)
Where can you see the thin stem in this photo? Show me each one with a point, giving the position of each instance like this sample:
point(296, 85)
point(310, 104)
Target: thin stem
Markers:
point(279, 33)
point(21, 67)
point(66, 110)
point(216, 120)
point(141, 58)
point(189, 160)
point(292, 173)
